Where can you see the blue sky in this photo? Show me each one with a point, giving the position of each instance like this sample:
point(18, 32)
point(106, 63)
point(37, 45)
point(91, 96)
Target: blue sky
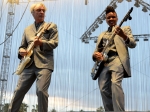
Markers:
point(72, 87)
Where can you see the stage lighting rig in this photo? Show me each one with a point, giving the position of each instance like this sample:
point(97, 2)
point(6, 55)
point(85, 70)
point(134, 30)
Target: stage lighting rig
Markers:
point(145, 5)
point(119, 1)
point(99, 20)
point(144, 36)
point(137, 38)
point(129, 0)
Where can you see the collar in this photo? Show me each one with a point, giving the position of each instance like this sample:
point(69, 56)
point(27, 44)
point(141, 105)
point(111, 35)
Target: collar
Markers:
point(37, 25)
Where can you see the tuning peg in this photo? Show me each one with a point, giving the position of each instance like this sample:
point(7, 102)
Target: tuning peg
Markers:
point(130, 17)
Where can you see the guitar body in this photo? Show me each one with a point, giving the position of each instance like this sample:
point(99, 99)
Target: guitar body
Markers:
point(23, 63)
point(97, 69)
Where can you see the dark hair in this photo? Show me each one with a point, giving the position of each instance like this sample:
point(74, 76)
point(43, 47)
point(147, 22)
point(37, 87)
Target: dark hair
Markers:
point(109, 9)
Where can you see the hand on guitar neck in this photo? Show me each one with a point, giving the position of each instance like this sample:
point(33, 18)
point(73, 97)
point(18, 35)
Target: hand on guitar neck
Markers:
point(37, 41)
point(98, 56)
point(120, 32)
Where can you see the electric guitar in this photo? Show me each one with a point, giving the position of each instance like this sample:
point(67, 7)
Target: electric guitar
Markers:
point(99, 65)
point(26, 59)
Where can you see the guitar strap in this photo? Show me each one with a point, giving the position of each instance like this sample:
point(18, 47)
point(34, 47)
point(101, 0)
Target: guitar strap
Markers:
point(42, 29)
point(43, 26)
point(109, 29)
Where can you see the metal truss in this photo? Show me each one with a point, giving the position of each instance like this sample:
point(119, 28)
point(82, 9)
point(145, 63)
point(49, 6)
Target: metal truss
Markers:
point(99, 20)
point(137, 37)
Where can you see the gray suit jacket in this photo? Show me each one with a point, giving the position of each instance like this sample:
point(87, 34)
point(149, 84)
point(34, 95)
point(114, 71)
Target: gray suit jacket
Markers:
point(122, 48)
point(42, 55)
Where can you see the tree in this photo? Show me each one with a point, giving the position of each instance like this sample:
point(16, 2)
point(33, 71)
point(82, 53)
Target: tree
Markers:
point(100, 109)
point(81, 110)
point(35, 108)
point(5, 107)
point(23, 107)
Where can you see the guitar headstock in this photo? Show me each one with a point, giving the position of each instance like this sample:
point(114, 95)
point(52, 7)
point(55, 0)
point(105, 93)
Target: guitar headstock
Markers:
point(127, 16)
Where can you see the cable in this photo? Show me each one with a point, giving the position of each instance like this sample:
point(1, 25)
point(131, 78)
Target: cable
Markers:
point(16, 25)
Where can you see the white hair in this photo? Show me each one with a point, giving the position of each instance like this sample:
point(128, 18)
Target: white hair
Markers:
point(34, 5)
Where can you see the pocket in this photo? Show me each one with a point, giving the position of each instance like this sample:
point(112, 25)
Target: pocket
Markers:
point(46, 36)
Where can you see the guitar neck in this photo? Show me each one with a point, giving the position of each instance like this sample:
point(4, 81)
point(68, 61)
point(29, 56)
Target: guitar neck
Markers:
point(30, 47)
point(111, 39)
point(39, 34)
point(108, 44)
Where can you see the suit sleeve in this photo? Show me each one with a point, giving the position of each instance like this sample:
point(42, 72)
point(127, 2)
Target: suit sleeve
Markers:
point(52, 41)
point(97, 45)
point(130, 42)
point(23, 45)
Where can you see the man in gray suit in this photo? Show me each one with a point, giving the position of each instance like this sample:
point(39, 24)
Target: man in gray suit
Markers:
point(117, 66)
point(41, 65)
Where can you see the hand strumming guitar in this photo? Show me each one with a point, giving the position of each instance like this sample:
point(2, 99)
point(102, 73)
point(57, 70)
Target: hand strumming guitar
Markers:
point(22, 52)
point(98, 56)
point(37, 41)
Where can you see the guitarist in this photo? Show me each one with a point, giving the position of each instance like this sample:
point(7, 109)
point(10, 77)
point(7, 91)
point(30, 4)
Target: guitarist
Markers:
point(117, 66)
point(42, 63)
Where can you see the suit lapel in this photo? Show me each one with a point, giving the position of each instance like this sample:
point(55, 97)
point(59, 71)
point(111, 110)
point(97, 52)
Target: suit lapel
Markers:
point(40, 26)
point(101, 36)
point(34, 28)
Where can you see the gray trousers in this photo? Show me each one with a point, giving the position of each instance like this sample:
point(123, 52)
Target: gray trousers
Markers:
point(26, 79)
point(111, 90)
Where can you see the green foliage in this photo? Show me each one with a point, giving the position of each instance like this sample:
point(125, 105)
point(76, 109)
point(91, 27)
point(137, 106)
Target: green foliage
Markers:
point(5, 107)
point(35, 108)
point(23, 107)
point(100, 109)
